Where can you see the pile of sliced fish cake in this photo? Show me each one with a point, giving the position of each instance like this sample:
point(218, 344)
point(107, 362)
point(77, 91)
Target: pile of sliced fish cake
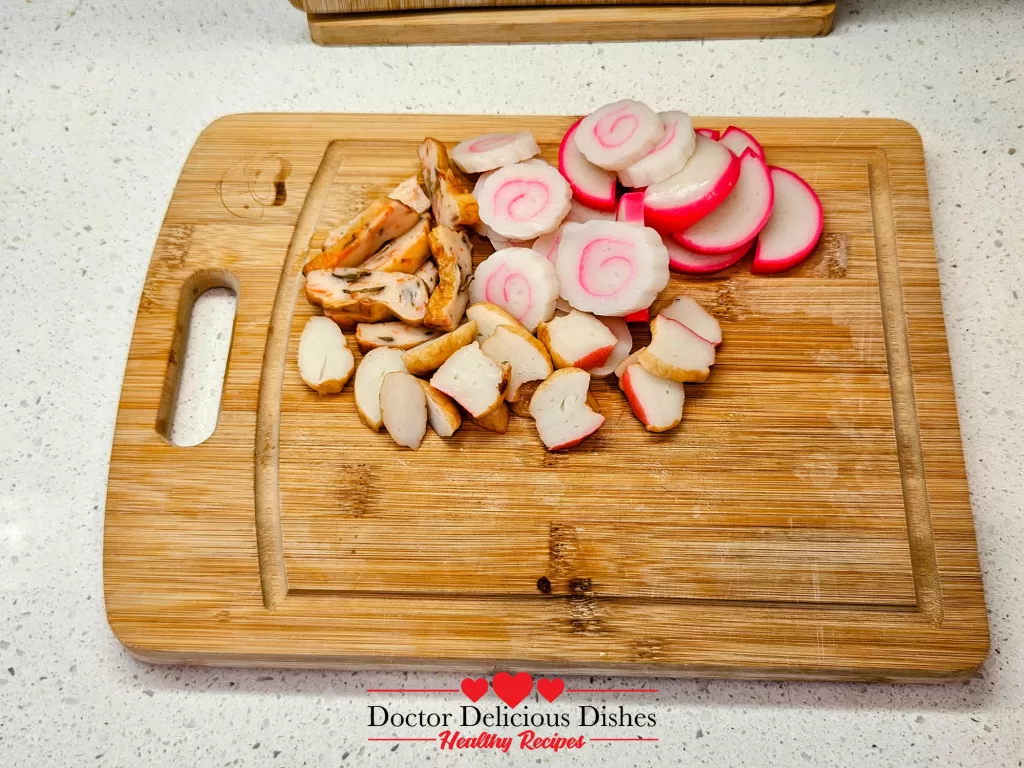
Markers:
point(581, 251)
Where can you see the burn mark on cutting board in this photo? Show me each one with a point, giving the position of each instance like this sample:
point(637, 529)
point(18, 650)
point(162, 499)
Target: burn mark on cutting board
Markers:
point(562, 546)
point(584, 612)
point(356, 491)
point(647, 649)
point(725, 306)
point(173, 247)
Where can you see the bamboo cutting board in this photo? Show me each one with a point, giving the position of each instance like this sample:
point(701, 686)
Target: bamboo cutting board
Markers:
point(584, 22)
point(809, 519)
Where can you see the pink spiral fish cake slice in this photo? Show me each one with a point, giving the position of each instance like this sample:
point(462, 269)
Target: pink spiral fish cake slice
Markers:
point(668, 157)
point(524, 200)
point(617, 135)
point(520, 281)
point(611, 268)
point(494, 150)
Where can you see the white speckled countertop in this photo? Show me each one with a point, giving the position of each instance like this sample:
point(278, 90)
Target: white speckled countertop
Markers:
point(99, 103)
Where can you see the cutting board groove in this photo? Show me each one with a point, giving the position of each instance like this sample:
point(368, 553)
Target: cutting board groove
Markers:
point(809, 519)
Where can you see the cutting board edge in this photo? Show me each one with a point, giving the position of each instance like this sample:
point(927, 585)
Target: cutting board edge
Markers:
point(560, 24)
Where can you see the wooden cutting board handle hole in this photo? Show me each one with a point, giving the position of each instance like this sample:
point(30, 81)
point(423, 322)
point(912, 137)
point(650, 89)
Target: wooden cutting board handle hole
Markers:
point(198, 361)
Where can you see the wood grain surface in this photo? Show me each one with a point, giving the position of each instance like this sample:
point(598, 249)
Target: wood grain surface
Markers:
point(809, 518)
point(586, 23)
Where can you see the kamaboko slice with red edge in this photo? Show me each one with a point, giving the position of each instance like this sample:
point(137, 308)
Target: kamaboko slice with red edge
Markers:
point(520, 281)
point(794, 227)
point(617, 135)
point(691, 314)
point(739, 141)
point(739, 219)
point(623, 344)
point(610, 268)
point(685, 198)
point(523, 200)
point(561, 410)
point(687, 262)
point(592, 186)
point(668, 157)
point(494, 150)
point(631, 209)
point(657, 402)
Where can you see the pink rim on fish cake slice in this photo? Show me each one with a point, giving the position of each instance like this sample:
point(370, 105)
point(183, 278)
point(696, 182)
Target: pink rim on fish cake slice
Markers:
point(685, 198)
point(610, 268)
point(738, 141)
point(524, 200)
point(494, 150)
point(520, 281)
point(617, 135)
point(708, 133)
point(592, 186)
point(631, 208)
point(794, 227)
point(739, 219)
point(668, 157)
point(687, 262)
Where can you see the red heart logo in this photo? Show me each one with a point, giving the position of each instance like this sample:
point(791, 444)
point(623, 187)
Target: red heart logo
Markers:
point(474, 689)
point(512, 689)
point(550, 689)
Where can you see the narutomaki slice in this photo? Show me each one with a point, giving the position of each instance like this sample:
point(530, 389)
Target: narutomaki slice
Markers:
point(520, 281)
point(737, 220)
point(547, 245)
point(494, 150)
point(523, 200)
point(499, 241)
point(685, 198)
point(686, 262)
point(738, 140)
point(668, 157)
point(610, 268)
point(592, 186)
point(631, 209)
point(617, 135)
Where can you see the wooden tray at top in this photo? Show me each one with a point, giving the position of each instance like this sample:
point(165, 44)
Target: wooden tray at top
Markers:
point(809, 518)
point(364, 6)
point(433, 22)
